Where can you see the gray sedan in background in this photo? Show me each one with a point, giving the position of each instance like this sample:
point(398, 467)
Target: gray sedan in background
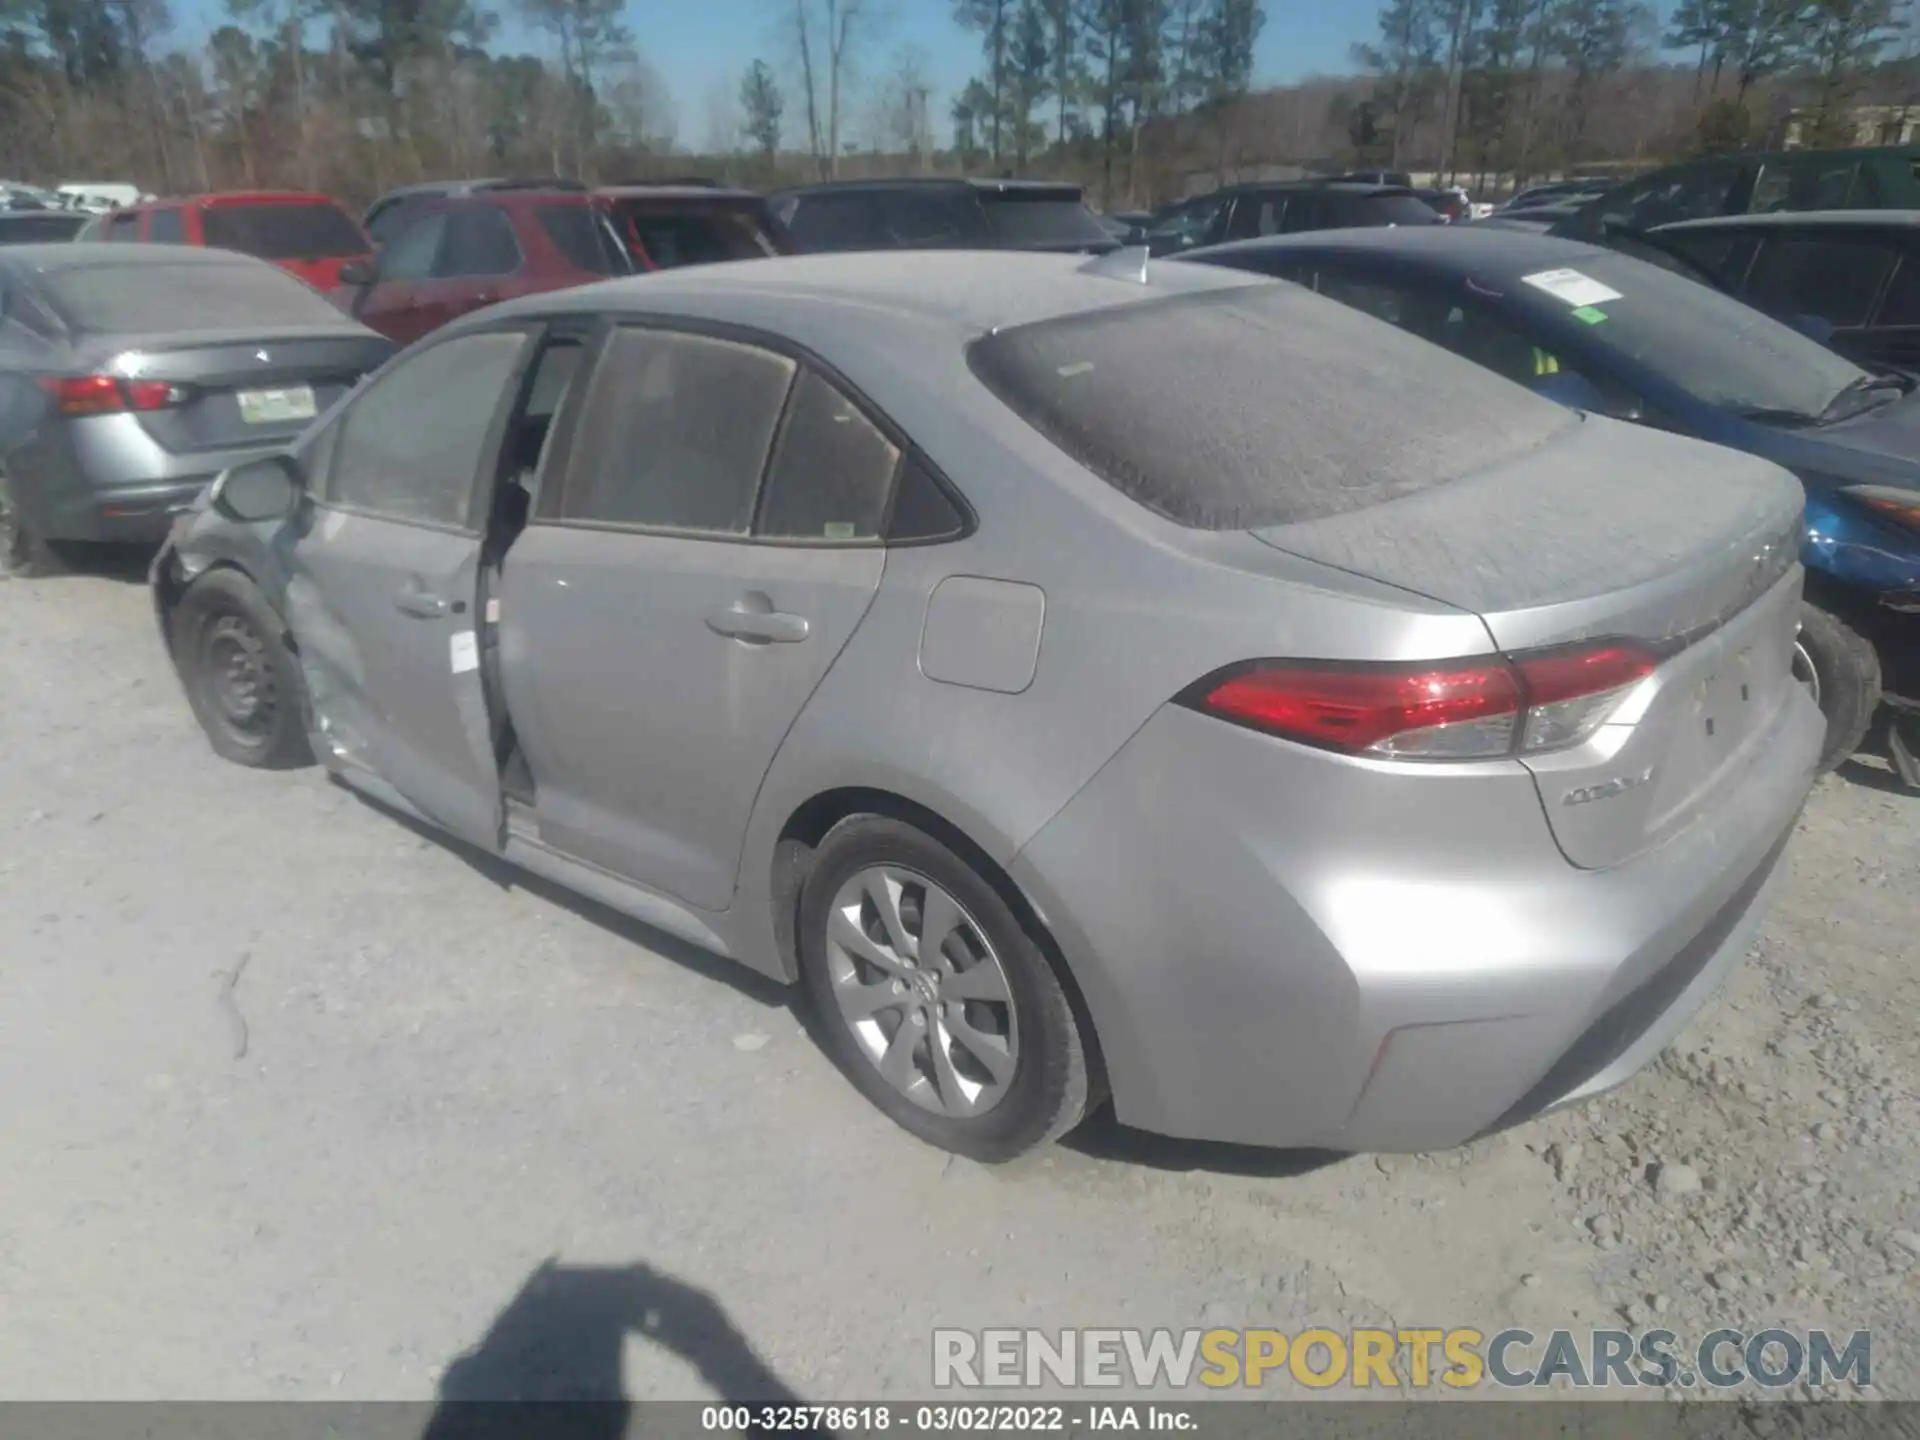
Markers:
point(131, 375)
point(1078, 677)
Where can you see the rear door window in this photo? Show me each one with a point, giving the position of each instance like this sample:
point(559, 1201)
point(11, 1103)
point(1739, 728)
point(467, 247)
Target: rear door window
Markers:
point(1814, 183)
point(925, 219)
point(478, 242)
point(671, 238)
point(1835, 278)
point(167, 227)
point(283, 231)
point(410, 256)
point(1042, 217)
point(832, 470)
point(581, 236)
point(675, 432)
point(1257, 405)
point(836, 222)
point(123, 227)
point(1691, 193)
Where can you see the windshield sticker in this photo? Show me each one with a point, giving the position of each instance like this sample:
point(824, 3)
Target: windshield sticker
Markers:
point(1587, 315)
point(1078, 367)
point(1571, 286)
point(463, 649)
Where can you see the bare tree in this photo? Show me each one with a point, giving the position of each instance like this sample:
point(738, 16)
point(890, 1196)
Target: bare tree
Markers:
point(827, 37)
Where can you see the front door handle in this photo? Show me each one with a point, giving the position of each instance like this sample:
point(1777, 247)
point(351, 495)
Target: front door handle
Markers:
point(753, 619)
point(426, 605)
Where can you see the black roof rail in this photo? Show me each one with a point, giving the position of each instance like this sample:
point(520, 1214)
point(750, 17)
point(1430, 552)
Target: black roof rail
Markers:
point(530, 183)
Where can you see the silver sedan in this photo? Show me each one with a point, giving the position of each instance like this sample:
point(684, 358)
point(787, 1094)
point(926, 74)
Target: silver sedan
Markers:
point(1083, 678)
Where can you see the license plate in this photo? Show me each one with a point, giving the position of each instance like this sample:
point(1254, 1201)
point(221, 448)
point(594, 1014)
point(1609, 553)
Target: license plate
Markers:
point(273, 407)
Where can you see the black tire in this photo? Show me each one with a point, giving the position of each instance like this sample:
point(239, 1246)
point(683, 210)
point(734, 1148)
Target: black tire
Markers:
point(24, 552)
point(1048, 1092)
point(1843, 671)
point(242, 681)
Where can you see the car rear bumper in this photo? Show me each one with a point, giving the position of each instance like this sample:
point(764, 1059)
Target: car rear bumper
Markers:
point(1283, 947)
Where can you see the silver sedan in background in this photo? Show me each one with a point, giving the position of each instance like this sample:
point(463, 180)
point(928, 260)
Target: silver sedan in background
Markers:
point(131, 375)
point(1084, 679)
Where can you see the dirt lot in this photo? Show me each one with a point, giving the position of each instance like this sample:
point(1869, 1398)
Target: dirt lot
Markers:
point(297, 1101)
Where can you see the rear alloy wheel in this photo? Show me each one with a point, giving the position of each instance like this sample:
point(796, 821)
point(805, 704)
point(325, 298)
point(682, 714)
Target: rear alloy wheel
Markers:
point(23, 552)
point(939, 1004)
point(1841, 672)
point(241, 679)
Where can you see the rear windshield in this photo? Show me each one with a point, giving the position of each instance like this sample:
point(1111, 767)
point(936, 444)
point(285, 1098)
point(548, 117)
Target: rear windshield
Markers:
point(283, 232)
point(582, 238)
point(698, 236)
point(1042, 218)
point(141, 299)
point(1257, 405)
point(20, 229)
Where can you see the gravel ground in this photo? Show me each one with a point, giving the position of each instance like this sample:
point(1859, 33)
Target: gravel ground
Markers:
point(299, 1102)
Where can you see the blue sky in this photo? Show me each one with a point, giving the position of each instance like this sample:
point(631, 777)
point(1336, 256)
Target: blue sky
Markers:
point(699, 46)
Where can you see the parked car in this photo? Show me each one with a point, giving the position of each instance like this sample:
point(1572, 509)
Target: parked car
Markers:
point(37, 227)
point(802, 615)
point(1241, 211)
point(1450, 203)
point(468, 251)
point(1574, 189)
point(667, 226)
point(1540, 218)
point(1129, 227)
point(307, 235)
point(99, 195)
point(1857, 272)
point(1881, 178)
point(392, 211)
point(1616, 335)
point(130, 376)
point(940, 214)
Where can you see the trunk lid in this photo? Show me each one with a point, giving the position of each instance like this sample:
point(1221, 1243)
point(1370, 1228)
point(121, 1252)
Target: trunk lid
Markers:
point(1609, 530)
point(244, 388)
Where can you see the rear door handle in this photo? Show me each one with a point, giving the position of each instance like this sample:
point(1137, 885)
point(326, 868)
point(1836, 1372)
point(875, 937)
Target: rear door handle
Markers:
point(427, 606)
point(752, 618)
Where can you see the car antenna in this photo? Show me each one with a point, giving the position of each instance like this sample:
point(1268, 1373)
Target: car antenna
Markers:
point(1126, 263)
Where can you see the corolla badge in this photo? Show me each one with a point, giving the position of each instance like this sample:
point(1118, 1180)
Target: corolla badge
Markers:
point(1607, 789)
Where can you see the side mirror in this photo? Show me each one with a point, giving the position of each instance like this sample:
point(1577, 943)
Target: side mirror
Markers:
point(357, 272)
point(258, 490)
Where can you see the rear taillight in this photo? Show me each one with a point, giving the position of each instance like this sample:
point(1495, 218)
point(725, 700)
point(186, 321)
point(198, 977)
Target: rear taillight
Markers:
point(109, 394)
point(1457, 710)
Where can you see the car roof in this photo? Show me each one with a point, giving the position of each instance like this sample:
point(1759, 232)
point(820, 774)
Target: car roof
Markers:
point(1803, 219)
point(58, 256)
point(963, 293)
point(1456, 248)
point(241, 197)
point(929, 182)
point(675, 192)
point(1338, 187)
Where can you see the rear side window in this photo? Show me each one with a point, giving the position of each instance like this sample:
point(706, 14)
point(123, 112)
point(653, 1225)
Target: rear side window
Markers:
point(675, 432)
point(1391, 210)
point(479, 241)
point(582, 240)
point(835, 222)
point(129, 299)
point(1043, 217)
point(1810, 184)
point(1833, 278)
point(672, 238)
point(926, 219)
point(166, 227)
point(1256, 405)
point(123, 227)
point(832, 472)
point(283, 231)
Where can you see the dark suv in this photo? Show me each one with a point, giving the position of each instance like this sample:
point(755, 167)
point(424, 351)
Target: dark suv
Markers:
point(670, 224)
point(1243, 212)
point(458, 253)
point(941, 215)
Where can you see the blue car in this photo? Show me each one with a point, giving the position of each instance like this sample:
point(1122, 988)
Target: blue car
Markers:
point(1614, 335)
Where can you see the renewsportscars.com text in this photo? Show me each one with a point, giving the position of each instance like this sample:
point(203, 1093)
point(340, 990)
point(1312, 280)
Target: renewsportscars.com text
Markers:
point(1459, 1359)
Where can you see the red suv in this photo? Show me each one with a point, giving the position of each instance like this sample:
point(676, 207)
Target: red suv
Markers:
point(464, 251)
point(303, 233)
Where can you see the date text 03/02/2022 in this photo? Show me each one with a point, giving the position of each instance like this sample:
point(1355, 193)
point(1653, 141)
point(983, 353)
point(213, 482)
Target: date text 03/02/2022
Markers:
point(944, 1418)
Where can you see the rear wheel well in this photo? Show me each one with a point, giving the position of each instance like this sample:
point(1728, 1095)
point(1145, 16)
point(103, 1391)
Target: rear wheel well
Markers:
point(808, 826)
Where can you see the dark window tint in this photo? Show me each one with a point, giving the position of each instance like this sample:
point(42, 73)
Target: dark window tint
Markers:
point(1813, 183)
point(411, 446)
point(676, 432)
point(196, 295)
point(282, 232)
point(1256, 406)
point(479, 241)
point(1834, 278)
point(1304, 212)
point(921, 509)
point(1691, 193)
point(26, 228)
point(166, 227)
point(926, 219)
point(410, 256)
point(670, 238)
point(1387, 210)
point(1243, 217)
point(123, 227)
point(1711, 250)
point(836, 222)
point(389, 218)
point(831, 472)
point(582, 238)
point(553, 377)
point(1902, 305)
point(1041, 217)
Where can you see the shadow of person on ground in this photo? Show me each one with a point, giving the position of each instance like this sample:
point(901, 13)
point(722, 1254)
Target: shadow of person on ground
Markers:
point(550, 1363)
